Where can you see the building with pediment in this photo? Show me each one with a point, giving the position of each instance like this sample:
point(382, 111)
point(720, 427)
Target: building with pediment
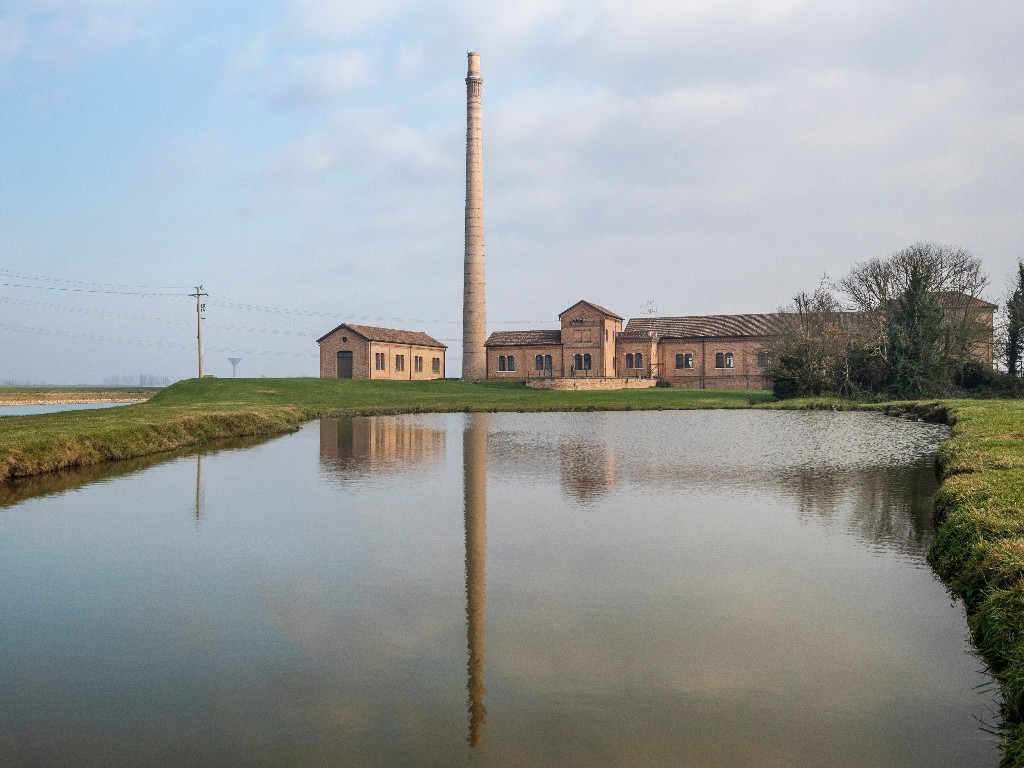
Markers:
point(592, 350)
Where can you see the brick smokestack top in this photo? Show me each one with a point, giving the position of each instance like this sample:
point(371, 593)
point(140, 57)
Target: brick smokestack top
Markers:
point(474, 304)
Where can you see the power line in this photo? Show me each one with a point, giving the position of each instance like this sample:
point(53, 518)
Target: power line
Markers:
point(92, 290)
point(50, 279)
point(144, 342)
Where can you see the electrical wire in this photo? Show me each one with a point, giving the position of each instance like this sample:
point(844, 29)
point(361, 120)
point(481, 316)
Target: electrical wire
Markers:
point(50, 279)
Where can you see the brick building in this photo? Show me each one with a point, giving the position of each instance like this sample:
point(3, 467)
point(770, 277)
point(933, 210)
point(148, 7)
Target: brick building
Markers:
point(700, 351)
point(365, 352)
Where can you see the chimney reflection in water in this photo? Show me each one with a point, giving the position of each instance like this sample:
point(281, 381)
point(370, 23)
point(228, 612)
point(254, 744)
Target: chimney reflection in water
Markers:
point(474, 456)
point(199, 488)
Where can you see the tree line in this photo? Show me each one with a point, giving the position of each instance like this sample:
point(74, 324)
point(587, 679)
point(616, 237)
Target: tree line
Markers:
point(909, 325)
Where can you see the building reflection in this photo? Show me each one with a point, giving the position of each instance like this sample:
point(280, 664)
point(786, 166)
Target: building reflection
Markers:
point(474, 462)
point(363, 444)
point(588, 469)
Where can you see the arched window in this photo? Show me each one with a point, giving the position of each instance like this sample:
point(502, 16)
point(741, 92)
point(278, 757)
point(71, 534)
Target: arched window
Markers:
point(578, 362)
point(728, 359)
point(719, 360)
point(629, 360)
point(538, 363)
point(586, 362)
point(638, 360)
point(547, 362)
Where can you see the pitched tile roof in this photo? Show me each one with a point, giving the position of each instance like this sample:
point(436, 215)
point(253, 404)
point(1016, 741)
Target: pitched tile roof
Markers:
point(523, 338)
point(389, 335)
point(598, 307)
point(704, 325)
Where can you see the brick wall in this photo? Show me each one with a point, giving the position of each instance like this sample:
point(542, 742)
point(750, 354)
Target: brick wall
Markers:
point(364, 361)
point(525, 357)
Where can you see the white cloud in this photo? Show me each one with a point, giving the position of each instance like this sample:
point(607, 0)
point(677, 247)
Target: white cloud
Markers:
point(67, 39)
point(326, 74)
point(330, 19)
point(12, 37)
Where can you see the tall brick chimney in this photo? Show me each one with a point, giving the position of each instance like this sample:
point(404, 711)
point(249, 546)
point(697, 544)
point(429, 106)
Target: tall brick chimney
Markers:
point(474, 304)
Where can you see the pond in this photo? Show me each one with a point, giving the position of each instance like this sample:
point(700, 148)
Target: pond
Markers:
point(694, 588)
point(37, 408)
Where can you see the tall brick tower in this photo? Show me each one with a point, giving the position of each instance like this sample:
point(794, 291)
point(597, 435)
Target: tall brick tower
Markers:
point(474, 304)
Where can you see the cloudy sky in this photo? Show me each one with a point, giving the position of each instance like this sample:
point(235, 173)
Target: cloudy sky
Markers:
point(304, 161)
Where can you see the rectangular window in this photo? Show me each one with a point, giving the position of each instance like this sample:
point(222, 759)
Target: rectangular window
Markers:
point(501, 362)
point(719, 359)
point(728, 359)
point(762, 360)
point(378, 361)
point(435, 365)
point(417, 364)
point(547, 362)
point(511, 363)
point(399, 362)
point(680, 361)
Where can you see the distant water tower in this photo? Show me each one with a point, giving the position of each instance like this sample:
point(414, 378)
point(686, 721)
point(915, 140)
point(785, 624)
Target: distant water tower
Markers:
point(234, 366)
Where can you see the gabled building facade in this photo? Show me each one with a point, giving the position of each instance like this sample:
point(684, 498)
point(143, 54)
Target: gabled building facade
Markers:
point(367, 352)
point(584, 345)
point(698, 351)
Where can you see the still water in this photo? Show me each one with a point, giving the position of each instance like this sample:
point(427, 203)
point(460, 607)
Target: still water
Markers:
point(720, 588)
point(32, 410)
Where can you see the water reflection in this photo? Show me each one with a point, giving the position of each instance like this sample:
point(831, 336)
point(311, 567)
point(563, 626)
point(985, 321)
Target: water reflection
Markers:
point(882, 506)
point(587, 468)
point(687, 618)
point(20, 489)
point(474, 462)
point(199, 488)
point(877, 488)
point(360, 445)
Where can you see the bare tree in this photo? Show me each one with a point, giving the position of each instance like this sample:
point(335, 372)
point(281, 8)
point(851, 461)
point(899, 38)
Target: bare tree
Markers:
point(953, 275)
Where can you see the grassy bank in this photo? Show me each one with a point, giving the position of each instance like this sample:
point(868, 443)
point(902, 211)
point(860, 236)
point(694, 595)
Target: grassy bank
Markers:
point(978, 549)
point(193, 412)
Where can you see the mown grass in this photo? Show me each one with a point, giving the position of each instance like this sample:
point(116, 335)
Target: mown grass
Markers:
point(196, 411)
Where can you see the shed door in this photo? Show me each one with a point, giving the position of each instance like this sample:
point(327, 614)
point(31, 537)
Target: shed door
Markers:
point(344, 365)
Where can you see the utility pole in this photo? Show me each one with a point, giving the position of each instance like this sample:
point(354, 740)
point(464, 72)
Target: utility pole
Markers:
point(200, 308)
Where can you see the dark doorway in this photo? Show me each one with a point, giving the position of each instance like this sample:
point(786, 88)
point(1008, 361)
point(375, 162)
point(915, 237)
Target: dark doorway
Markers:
point(344, 365)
